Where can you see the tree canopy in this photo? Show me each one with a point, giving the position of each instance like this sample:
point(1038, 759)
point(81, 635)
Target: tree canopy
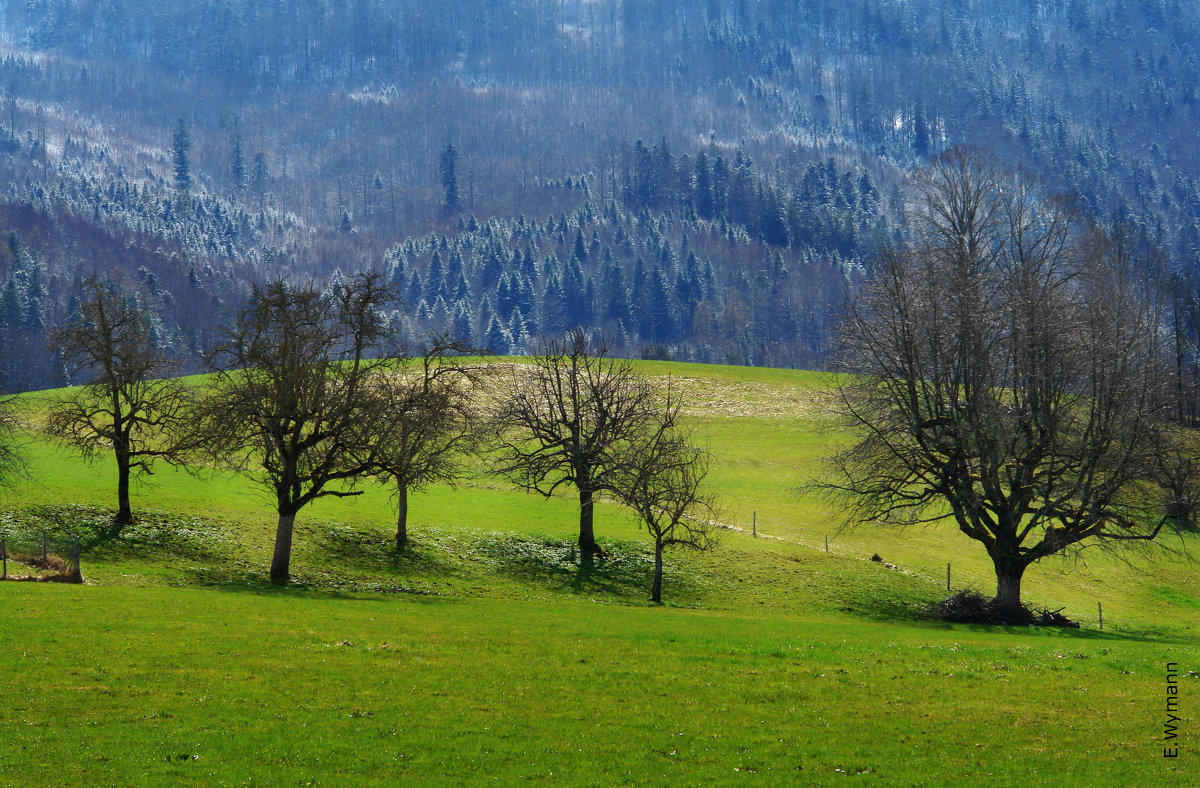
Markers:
point(574, 416)
point(128, 404)
point(1011, 376)
point(294, 393)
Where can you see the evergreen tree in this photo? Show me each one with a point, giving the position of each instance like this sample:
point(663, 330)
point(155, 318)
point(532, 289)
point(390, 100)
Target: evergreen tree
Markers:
point(921, 134)
point(518, 331)
point(260, 174)
point(416, 290)
point(462, 329)
point(580, 248)
point(435, 283)
point(705, 206)
point(615, 295)
point(662, 326)
point(10, 308)
point(496, 339)
point(237, 157)
point(448, 167)
point(181, 153)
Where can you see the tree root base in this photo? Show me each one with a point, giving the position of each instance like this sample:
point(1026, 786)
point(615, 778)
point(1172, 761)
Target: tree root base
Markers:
point(968, 607)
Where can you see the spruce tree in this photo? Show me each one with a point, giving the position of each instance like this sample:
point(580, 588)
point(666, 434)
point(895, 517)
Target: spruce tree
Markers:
point(448, 167)
point(181, 152)
point(237, 157)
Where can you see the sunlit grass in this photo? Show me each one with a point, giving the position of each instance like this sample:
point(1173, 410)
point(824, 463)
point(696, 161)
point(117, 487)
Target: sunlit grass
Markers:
point(485, 653)
point(148, 686)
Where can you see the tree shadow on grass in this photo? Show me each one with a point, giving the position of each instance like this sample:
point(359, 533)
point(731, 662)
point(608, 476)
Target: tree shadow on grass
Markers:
point(899, 609)
point(262, 586)
point(370, 556)
point(1137, 636)
point(305, 581)
point(1064, 633)
point(557, 565)
point(345, 559)
point(153, 534)
point(372, 548)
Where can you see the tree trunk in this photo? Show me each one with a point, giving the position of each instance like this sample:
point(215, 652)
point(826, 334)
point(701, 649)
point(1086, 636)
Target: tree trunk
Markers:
point(656, 588)
point(124, 510)
point(401, 515)
point(1008, 583)
point(587, 538)
point(282, 560)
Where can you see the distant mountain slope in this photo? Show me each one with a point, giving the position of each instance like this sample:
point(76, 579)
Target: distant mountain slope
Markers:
point(318, 136)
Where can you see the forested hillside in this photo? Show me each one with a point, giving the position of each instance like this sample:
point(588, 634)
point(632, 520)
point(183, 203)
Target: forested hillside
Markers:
point(699, 180)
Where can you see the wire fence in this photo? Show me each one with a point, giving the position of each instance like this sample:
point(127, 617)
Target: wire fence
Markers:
point(39, 555)
point(756, 524)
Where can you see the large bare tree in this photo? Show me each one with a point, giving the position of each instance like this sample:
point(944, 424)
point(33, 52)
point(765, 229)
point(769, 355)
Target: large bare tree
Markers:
point(432, 421)
point(572, 417)
point(1009, 376)
point(128, 406)
point(295, 393)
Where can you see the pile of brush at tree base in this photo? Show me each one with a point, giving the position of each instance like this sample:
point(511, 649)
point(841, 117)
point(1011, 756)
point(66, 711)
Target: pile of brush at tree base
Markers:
point(968, 607)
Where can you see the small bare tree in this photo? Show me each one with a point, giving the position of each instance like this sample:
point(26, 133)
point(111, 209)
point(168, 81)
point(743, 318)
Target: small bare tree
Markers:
point(431, 422)
point(294, 394)
point(1008, 377)
point(572, 417)
point(663, 483)
point(128, 406)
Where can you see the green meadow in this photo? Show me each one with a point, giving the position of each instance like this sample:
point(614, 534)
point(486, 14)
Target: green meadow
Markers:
point(485, 654)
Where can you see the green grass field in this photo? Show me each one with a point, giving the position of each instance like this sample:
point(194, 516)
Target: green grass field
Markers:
point(484, 655)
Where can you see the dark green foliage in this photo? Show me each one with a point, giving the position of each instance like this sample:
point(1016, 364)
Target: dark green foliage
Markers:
point(181, 155)
point(448, 169)
point(237, 157)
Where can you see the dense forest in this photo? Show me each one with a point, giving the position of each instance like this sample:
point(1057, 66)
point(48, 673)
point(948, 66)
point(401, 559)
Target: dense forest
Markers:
point(699, 181)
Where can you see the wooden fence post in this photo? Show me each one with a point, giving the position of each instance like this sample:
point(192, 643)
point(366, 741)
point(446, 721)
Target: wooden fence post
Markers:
point(754, 523)
point(1100, 609)
point(947, 577)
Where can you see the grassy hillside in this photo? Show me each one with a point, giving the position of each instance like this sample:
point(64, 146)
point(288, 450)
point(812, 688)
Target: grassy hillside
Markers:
point(153, 686)
point(484, 652)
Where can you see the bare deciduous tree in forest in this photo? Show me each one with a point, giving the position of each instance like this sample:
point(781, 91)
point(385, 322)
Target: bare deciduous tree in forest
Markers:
point(128, 406)
point(1009, 377)
point(294, 394)
point(572, 417)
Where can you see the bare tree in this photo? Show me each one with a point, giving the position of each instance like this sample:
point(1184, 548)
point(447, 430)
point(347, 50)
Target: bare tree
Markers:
point(572, 417)
point(1008, 377)
point(294, 394)
point(663, 483)
point(1177, 473)
point(128, 406)
point(431, 421)
point(12, 460)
